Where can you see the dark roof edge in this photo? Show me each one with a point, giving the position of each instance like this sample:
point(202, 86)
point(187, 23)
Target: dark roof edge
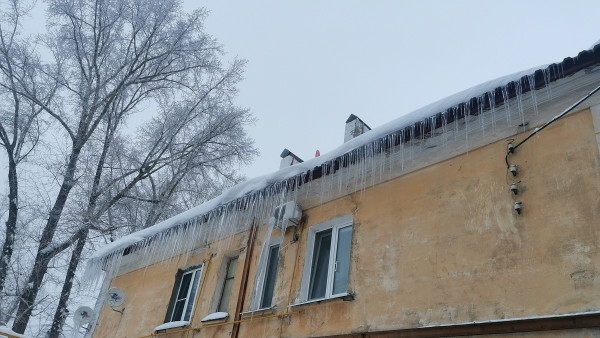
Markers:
point(556, 71)
point(567, 67)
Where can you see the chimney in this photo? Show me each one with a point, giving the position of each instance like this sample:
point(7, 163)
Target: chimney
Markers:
point(288, 159)
point(354, 127)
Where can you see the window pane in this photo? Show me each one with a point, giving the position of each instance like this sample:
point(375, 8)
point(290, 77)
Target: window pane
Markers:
point(270, 276)
point(185, 284)
point(340, 276)
point(320, 265)
point(224, 304)
point(227, 285)
point(181, 297)
point(178, 310)
point(231, 267)
point(192, 297)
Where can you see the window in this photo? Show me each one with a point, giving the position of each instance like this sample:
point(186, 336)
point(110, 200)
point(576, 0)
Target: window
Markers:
point(270, 277)
point(227, 285)
point(266, 275)
point(327, 263)
point(184, 294)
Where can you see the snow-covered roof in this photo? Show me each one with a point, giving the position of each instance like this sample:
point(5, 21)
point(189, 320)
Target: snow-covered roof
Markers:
point(464, 103)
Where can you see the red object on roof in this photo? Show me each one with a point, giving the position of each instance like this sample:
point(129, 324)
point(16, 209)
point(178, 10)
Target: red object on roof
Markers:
point(318, 153)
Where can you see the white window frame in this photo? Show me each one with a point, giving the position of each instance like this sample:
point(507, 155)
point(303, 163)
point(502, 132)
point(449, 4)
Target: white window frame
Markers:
point(216, 300)
point(192, 271)
point(335, 224)
point(261, 270)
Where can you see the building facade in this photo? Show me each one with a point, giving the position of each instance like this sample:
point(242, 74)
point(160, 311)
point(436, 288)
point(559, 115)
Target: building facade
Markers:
point(476, 215)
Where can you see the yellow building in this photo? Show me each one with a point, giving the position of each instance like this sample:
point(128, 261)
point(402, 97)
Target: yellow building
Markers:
point(476, 215)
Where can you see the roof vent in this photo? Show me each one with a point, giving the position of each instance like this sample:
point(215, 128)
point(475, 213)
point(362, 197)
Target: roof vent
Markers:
point(288, 159)
point(354, 127)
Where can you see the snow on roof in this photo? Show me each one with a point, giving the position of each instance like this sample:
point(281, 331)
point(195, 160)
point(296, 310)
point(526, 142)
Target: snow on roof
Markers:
point(548, 73)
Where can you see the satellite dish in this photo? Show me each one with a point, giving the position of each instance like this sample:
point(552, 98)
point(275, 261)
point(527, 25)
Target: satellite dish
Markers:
point(115, 297)
point(83, 315)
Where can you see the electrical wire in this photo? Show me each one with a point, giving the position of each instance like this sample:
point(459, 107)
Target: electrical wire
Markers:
point(554, 119)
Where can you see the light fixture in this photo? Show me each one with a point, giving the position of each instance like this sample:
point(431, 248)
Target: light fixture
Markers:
point(513, 169)
point(518, 207)
point(511, 148)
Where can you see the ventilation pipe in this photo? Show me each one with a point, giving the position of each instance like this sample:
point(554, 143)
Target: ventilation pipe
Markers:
point(288, 159)
point(355, 127)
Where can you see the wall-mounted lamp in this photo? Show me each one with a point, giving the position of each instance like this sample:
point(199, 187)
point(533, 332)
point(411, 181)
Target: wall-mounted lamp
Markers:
point(518, 207)
point(514, 187)
point(513, 169)
point(511, 148)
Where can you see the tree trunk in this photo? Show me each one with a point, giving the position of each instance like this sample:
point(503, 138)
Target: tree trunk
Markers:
point(11, 228)
point(11, 223)
point(61, 310)
point(43, 257)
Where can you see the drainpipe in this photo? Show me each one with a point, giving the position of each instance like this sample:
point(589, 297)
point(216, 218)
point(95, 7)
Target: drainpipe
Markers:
point(242, 293)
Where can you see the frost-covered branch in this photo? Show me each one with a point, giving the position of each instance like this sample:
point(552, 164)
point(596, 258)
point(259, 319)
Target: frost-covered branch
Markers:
point(19, 119)
point(114, 58)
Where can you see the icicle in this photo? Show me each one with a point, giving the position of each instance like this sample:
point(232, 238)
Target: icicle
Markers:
point(519, 90)
point(492, 97)
point(444, 124)
point(505, 99)
point(402, 142)
point(547, 77)
point(455, 115)
point(466, 117)
point(480, 108)
point(531, 79)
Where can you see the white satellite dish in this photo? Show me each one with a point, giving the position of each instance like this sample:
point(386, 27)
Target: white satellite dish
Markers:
point(115, 297)
point(83, 315)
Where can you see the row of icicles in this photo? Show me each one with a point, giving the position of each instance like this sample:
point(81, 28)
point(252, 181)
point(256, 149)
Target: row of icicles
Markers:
point(360, 168)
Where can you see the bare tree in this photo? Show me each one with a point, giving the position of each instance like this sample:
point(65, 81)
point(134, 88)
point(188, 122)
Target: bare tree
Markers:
point(198, 136)
point(111, 58)
point(20, 125)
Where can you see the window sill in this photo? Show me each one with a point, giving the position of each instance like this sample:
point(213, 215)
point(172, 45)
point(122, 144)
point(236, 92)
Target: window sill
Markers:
point(216, 316)
point(346, 296)
point(259, 312)
point(171, 325)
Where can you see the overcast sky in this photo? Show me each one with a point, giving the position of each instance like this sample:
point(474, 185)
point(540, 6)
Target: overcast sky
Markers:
point(313, 63)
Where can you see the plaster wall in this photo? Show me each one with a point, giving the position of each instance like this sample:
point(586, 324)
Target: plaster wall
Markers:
point(441, 245)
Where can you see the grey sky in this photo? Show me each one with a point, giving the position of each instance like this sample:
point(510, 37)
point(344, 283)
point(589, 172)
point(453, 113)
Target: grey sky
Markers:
point(312, 63)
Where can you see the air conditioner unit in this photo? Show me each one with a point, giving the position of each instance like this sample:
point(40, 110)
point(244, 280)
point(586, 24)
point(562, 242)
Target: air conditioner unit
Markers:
point(286, 215)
